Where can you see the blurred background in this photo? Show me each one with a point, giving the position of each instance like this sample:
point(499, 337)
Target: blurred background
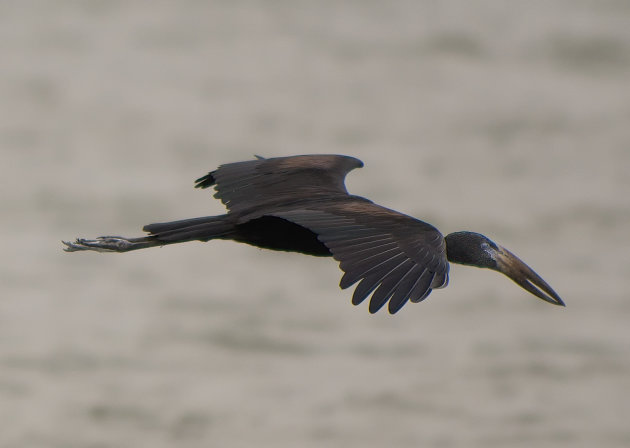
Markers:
point(511, 119)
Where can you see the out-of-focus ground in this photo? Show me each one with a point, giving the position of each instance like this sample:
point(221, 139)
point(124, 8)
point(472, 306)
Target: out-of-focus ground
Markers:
point(512, 119)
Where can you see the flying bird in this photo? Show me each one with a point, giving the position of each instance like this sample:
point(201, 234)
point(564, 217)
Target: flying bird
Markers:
point(300, 204)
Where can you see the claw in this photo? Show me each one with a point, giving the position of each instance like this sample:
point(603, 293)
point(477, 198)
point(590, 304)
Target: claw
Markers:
point(99, 245)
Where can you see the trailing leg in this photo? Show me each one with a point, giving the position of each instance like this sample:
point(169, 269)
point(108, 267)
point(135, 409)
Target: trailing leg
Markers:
point(111, 244)
point(160, 234)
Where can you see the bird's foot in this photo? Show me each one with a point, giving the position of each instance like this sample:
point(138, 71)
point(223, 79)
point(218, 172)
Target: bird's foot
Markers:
point(101, 244)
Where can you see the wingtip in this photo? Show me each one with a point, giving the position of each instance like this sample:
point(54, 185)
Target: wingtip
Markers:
point(205, 181)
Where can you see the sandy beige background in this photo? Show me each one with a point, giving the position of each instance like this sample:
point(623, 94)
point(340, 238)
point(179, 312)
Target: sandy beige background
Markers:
point(508, 118)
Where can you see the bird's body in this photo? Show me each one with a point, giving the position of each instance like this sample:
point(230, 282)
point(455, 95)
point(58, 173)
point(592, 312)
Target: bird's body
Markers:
point(300, 204)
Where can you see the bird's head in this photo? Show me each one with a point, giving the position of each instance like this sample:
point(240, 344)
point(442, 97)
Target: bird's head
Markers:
point(474, 249)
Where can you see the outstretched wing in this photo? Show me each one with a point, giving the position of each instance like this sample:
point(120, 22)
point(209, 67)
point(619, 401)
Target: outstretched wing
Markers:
point(281, 180)
point(394, 257)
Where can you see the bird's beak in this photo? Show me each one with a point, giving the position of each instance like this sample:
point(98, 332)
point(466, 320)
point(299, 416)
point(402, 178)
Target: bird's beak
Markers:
point(512, 266)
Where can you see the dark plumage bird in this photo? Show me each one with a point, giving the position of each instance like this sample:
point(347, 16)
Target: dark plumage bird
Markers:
point(300, 204)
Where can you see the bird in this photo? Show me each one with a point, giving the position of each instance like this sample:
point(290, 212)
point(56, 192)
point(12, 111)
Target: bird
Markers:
point(300, 204)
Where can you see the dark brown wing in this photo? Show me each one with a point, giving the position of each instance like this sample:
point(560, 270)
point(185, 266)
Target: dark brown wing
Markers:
point(262, 183)
point(394, 257)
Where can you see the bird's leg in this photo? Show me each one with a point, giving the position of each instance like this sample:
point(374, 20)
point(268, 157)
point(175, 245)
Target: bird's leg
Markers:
point(110, 244)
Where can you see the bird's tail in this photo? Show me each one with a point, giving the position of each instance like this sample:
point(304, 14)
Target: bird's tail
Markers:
point(193, 229)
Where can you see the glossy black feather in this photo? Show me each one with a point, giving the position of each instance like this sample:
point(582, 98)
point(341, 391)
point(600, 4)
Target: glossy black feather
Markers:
point(257, 184)
point(404, 288)
point(382, 260)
